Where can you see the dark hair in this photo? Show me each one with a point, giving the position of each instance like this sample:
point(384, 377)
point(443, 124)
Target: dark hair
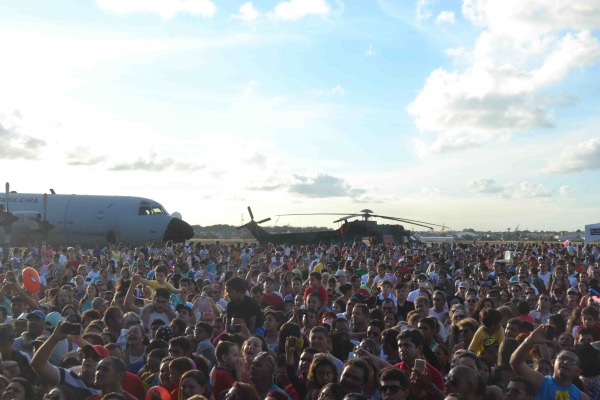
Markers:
point(162, 293)
point(223, 349)
point(490, 317)
point(359, 363)
point(528, 386)
point(394, 374)
point(338, 390)
point(590, 311)
point(414, 335)
point(236, 283)
point(26, 385)
point(196, 375)
point(182, 342)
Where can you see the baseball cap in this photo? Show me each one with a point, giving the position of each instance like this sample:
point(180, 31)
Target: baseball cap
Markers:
point(182, 306)
point(339, 272)
point(99, 302)
point(23, 316)
point(164, 332)
point(463, 285)
point(53, 319)
point(36, 313)
point(16, 298)
point(96, 350)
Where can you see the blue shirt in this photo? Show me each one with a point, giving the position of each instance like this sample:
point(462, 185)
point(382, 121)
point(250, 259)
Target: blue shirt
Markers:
point(550, 390)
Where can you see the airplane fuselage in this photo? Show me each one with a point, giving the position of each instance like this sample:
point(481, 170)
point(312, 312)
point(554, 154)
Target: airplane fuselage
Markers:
point(89, 220)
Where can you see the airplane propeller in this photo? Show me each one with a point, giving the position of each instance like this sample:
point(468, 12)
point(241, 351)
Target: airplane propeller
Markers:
point(45, 226)
point(6, 217)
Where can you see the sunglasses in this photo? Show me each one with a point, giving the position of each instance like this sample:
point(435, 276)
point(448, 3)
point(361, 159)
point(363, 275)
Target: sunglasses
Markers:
point(567, 360)
point(391, 388)
point(513, 392)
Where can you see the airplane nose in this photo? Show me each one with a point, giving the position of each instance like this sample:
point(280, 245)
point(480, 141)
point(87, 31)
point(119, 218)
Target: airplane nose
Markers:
point(178, 231)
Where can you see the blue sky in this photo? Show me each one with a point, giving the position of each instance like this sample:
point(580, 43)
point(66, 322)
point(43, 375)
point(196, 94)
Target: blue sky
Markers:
point(475, 114)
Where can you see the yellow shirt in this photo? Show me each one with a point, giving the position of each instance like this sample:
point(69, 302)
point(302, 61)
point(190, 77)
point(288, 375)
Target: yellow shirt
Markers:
point(482, 339)
point(155, 285)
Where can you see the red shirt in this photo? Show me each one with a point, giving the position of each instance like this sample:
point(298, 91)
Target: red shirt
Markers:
point(221, 380)
point(133, 385)
point(434, 374)
point(100, 395)
point(274, 300)
point(322, 293)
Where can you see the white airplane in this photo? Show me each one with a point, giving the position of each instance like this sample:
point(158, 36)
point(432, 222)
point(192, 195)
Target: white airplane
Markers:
point(61, 219)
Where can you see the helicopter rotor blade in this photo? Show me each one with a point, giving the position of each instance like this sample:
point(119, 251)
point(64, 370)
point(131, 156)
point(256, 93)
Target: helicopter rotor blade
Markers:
point(346, 218)
point(286, 215)
point(263, 220)
point(250, 212)
point(408, 220)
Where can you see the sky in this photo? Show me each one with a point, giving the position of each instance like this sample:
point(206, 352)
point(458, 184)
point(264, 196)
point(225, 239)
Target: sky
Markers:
point(477, 114)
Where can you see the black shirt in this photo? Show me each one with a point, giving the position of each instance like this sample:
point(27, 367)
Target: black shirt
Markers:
point(247, 307)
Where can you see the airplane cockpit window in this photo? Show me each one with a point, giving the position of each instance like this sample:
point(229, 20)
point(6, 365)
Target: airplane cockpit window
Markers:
point(158, 210)
point(145, 210)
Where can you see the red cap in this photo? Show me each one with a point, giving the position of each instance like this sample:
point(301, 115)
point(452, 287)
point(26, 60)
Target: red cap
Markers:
point(96, 350)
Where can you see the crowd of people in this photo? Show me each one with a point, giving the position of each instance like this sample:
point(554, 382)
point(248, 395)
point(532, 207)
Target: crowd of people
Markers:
point(354, 321)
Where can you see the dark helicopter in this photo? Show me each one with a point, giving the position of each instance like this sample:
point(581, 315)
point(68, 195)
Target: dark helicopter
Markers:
point(352, 229)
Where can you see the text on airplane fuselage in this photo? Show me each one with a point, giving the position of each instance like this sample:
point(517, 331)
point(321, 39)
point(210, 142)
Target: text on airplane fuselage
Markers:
point(31, 200)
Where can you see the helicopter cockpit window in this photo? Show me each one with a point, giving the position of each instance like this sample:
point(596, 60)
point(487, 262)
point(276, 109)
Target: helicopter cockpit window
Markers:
point(145, 210)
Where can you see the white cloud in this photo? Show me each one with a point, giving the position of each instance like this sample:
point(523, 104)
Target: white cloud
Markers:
point(445, 17)
point(529, 190)
point(583, 156)
point(485, 186)
point(370, 51)
point(502, 90)
point(423, 10)
point(294, 10)
point(564, 190)
point(166, 9)
point(247, 13)
point(338, 90)
point(525, 190)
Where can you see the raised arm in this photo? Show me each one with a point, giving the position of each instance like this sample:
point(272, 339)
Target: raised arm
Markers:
point(40, 362)
point(519, 357)
point(128, 303)
point(27, 298)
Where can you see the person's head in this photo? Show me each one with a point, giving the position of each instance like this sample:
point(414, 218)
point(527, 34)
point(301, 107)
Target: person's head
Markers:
point(191, 383)
point(110, 372)
point(567, 365)
point(161, 300)
point(18, 389)
point(394, 384)
point(160, 273)
point(519, 388)
point(589, 317)
point(178, 367)
point(410, 345)
point(332, 391)
point(241, 391)
point(319, 339)
point(180, 347)
point(427, 326)
point(252, 346)
point(462, 380)
point(226, 354)
point(92, 355)
point(355, 374)
point(491, 318)
point(322, 370)
point(263, 368)
point(360, 316)
point(236, 288)
point(313, 301)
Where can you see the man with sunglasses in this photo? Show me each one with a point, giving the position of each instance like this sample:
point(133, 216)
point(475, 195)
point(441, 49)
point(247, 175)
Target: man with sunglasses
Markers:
point(566, 369)
point(394, 384)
